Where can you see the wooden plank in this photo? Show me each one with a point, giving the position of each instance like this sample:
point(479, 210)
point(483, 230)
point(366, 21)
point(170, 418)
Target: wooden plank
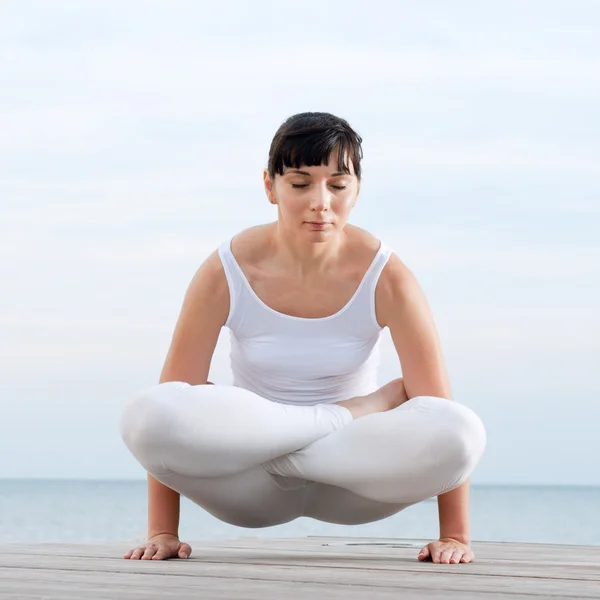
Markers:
point(218, 580)
point(330, 567)
point(87, 559)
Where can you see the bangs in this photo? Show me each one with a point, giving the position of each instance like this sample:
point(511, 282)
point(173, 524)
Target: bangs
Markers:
point(307, 140)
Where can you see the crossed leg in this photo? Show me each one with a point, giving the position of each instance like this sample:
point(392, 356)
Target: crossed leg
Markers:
point(254, 463)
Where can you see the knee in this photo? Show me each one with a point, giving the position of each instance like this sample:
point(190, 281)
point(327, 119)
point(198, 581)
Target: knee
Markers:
point(144, 420)
point(464, 437)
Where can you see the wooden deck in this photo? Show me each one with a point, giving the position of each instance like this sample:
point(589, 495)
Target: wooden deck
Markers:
point(313, 567)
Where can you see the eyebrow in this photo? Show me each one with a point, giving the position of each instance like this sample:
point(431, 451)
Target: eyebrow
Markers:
point(307, 173)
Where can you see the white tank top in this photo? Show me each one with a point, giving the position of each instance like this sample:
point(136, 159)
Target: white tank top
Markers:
point(304, 361)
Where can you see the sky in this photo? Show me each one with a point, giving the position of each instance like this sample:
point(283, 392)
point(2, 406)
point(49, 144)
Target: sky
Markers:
point(133, 138)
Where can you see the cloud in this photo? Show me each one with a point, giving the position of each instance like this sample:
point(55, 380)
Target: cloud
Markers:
point(129, 153)
point(508, 155)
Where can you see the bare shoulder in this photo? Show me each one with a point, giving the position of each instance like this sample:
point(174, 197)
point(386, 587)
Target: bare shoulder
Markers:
point(250, 244)
point(361, 238)
point(396, 287)
point(362, 245)
point(396, 275)
point(209, 286)
point(210, 271)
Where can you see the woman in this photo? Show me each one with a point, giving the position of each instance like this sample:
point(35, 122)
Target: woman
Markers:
point(304, 431)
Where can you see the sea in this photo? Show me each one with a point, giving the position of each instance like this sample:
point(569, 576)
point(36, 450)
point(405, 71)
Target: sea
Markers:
point(85, 511)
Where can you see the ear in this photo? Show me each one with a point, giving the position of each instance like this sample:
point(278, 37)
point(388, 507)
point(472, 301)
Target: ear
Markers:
point(269, 187)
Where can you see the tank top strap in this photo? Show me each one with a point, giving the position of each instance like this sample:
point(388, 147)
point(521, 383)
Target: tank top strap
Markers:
point(233, 276)
point(372, 279)
point(380, 260)
point(364, 298)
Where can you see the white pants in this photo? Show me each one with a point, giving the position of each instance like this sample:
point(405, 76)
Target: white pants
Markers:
point(256, 463)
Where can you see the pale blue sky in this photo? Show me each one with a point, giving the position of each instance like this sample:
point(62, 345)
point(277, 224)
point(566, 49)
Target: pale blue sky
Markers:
point(132, 141)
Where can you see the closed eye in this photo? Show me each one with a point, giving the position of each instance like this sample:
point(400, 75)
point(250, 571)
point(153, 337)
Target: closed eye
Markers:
point(337, 187)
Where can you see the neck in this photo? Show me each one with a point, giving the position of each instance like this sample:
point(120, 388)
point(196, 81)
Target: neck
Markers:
point(302, 256)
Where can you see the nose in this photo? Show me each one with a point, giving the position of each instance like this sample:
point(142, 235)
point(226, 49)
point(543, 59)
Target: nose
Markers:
point(320, 200)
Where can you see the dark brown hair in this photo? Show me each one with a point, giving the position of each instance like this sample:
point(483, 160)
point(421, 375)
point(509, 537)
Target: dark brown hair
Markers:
point(309, 138)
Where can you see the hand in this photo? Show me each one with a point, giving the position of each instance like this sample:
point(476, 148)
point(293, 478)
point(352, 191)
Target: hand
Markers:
point(159, 547)
point(447, 551)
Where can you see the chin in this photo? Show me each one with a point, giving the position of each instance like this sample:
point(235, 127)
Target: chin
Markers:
point(320, 236)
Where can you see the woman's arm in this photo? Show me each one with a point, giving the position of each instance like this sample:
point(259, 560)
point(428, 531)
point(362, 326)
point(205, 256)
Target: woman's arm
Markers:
point(403, 307)
point(453, 511)
point(203, 313)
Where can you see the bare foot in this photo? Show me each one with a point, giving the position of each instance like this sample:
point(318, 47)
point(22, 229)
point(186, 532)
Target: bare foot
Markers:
point(389, 396)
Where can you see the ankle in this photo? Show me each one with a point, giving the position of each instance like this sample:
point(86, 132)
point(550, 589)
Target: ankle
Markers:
point(357, 406)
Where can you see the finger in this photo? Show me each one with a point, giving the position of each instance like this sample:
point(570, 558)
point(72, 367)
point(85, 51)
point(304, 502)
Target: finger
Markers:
point(149, 552)
point(456, 556)
point(128, 554)
point(184, 550)
point(161, 553)
point(445, 556)
point(436, 554)
point(467, 557)
point(424, 554)
point(137, 552)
